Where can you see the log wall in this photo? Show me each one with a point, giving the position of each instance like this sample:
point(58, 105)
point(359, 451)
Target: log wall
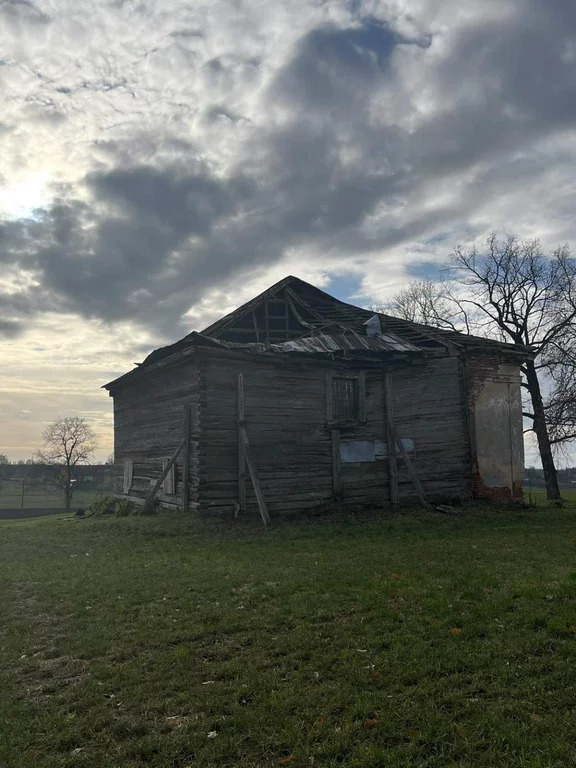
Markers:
point(286, 426)
point(433, 404)
point(286, 422)
point(429, 407)
point(149, 425)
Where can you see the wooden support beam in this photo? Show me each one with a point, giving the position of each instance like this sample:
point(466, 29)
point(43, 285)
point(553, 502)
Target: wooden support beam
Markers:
point(411, 470)
point(253, 474)
point(128, 466)
point(241, 451)
point(152, 495)
point(186, 459)
point(305, 305)
point(390, 439)
point(295, 312)
point(256, 331)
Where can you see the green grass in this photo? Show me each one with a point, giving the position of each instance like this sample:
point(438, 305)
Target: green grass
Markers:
point(129, 642)
point(39, 498)
point(539, 496)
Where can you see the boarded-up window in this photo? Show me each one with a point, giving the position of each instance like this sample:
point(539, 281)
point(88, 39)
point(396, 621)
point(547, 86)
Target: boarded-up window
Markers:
point(128, 474)
point(362, 451)
point(169, 484)
point(345, 399)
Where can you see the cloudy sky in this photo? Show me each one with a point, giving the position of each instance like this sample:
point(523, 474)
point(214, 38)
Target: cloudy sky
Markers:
point(163, 160)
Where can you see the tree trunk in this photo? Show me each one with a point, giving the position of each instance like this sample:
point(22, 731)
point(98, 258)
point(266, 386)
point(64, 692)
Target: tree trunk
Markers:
point(68, 487)
point(541, 430)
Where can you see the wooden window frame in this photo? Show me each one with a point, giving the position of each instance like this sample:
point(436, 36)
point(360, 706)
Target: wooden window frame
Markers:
point(360, 378)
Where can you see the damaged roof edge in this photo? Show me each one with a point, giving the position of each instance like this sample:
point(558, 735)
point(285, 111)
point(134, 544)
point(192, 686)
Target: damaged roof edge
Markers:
point(339, 334)
point(322, 344)
point(450, 339)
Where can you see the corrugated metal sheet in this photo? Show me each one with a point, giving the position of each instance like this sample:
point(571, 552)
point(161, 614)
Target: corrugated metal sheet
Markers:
point(348, 342)
point(330, 343)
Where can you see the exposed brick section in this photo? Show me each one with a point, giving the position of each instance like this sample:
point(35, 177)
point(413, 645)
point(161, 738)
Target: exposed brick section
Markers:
point(479, 367)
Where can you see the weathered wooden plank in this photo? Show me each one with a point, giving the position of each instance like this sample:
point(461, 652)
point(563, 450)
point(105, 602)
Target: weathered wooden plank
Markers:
point(254, 475)
point(186, 458)
point(128, 474)
point(392, 464)
point(241, 449)
point(362, 397)
point(329, 397)
point(156, 488)
point(410, 467)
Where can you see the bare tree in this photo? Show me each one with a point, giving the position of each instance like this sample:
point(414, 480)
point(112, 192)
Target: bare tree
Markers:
point(67, 443)
point(429, 302)
point(511, 290)
point(560, 402)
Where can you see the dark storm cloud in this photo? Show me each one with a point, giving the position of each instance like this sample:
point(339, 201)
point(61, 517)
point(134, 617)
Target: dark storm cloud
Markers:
point(10, 328)
point(331, 155)
point(118, 265)
point(332, 66)
point(506, 86)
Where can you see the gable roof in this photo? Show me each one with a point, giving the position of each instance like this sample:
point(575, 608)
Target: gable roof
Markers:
point(329, 309)
point(323, 309)
point(326, 326)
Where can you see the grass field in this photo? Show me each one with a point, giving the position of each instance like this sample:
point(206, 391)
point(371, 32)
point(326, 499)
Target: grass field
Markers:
point(39, 497)
point(538, 496)
point(49, 498)
point(413, 640)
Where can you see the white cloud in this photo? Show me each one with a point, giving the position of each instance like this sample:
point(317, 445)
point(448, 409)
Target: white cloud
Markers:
point(182, 149)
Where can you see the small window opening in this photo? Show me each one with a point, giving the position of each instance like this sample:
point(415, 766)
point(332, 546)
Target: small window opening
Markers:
point(345, 399)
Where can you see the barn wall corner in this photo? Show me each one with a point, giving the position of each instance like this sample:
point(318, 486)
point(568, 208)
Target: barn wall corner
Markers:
point(496, 431)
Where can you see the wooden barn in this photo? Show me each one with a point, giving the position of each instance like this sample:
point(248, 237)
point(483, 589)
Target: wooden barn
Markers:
point(297, 400)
